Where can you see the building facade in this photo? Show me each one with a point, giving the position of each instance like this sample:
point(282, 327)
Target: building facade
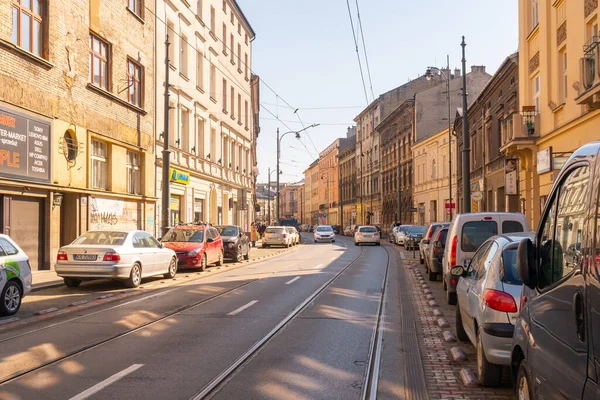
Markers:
point(265, 199)
point(289, 207)
point(329, 183)
point(347, 178)
point(212, 98)
point(312, 199)
point(76, 121)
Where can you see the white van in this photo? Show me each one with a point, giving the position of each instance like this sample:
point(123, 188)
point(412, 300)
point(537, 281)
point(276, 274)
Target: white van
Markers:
point(467, 232)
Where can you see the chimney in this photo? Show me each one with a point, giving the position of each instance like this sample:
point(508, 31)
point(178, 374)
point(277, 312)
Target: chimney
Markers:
point(456, 73)
point(478, 69)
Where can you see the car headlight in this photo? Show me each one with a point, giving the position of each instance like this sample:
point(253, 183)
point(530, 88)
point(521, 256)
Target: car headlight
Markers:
point(193, 253)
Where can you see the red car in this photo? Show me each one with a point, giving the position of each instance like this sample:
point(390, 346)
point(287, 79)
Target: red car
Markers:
point(196, 246)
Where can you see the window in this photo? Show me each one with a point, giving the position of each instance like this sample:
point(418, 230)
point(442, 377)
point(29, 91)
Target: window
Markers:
point(559, 245)
point(239, 56)
point(198, 210)
point(224, 96)
point(213, 82)
point(246, 114)
point(98, 62)
point(134, 83)
point(183, 55)
point(239, 28)
point(172, 124)
point(512, 227)
point(231, 44)
point(133, 172)
point(200, 70)
point(184, 129)
point(225, 6)
point(213, 144)
point(172, 36)
point(135, 6)
point(246, 39)
point(474, 233)
point(232, 18)
point(27, 25)
point(212, 19)
point(562, 65)
point(534, 13)
point(433, 170)
point(8, 247)
point(239, 104)
point(224, 38)
point(232, 102)
point(536, 93)
point(99, 165)
point(246, 65)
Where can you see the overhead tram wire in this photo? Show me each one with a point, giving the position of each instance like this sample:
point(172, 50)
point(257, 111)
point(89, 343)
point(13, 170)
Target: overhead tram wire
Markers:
point(362, 76)
point(365, 50)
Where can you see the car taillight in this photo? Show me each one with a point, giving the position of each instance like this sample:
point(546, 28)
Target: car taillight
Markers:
point(112, 256)
point(453, 251)
point(62, 256)
point(376, 234)
point(284, 235)
point(500, 301)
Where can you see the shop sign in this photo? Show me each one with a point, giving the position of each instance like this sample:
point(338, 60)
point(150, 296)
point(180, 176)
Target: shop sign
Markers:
point(544, 160)
point(477, 196)
point(511, 176)
point(24, 147)
point(559, 162)
point(178, 176)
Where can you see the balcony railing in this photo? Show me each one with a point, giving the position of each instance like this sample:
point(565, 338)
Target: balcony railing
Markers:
point(520, 126)
point(590, 74)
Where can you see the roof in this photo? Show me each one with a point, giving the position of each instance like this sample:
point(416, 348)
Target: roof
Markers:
point(239, 9)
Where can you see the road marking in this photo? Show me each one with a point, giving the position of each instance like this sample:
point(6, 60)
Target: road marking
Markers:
point(109, 381)
point(242, 308)
point(318, 266)
point(292, 281)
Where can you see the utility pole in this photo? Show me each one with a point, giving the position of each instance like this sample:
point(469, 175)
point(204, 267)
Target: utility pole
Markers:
point(466, 152)
point(399, 220)
point(277, 173)
point(166, 154)
point(269, 197)
point(449, 140)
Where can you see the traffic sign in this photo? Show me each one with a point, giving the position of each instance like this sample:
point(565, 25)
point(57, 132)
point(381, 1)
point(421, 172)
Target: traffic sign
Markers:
point(412, 209)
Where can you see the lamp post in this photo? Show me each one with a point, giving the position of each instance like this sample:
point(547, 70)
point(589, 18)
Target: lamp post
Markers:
point(279, 154)
point(429, 75)
point(269, 195)
point(326, 194)
point(466, 162)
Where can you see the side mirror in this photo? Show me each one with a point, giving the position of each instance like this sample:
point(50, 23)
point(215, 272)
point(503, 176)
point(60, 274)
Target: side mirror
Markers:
point(209, 240)
point(425, 241)
point(526, 263)
point(457, 271)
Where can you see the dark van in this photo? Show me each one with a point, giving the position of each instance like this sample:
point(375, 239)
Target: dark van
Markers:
point(556, 343)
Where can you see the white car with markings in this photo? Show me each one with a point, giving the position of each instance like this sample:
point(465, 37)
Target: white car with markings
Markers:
point(15, 276)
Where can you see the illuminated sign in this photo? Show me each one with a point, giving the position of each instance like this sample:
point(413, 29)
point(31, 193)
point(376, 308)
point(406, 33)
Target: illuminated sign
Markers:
point(24, 147)
point(180, 177)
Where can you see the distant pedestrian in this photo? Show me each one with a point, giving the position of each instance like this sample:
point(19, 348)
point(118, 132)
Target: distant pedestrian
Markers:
point(253, 234)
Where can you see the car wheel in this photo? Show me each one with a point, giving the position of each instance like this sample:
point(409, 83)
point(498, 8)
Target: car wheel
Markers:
point(451, 298)
point(220, 260)
point(461, 334)
point(333, 241)
point(524, 389)
point(135, 276)
point(238, 255)
point(445, 285)
point(72, 282)
point(489, 374)
point(11, 298)
point(172, 269)
point(247, 255)
point(432, 276)
point(203, 263)
point(315, 241)
point(356, 244)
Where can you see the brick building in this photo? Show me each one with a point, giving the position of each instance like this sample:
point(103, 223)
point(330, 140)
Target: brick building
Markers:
point(77, 113)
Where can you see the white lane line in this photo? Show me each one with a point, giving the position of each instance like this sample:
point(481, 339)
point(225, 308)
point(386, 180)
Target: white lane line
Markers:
point(242, 308)
point(318, 266)
point(98, 387)
point(292, 280)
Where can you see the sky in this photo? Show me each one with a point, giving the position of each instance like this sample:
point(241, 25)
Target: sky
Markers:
point(305, 55)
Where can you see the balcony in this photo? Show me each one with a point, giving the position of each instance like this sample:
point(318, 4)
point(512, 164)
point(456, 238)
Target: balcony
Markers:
point(519, 129)
point(589, 67)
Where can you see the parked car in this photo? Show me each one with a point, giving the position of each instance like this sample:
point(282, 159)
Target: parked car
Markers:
point(294, 234)
point(324, 233)
point(469, 231)
point(573, 254)
point(391, 235)
point(413, 237)
point(129, 256)
point(488, 292)
point(435, 252)
point(196, 246)
point(15, 276)
point(236, 244)
point(425, 242)
point(276, 236)
point(367, 234)
point(556, 343)
point(400, 234)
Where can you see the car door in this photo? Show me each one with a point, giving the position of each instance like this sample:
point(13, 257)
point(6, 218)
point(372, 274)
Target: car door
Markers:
point(161, 257)
point(475, 293)
point(144, 254)
point(209, 246)
point(559, 355)
point(217, 243)
point(466, 284)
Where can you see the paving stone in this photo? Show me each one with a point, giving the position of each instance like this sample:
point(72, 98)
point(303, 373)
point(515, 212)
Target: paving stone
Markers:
point(458, 354)
point(46, 311)
point(429, 297)
point(449, 337)
point(442, 323)
point(433, 303)
point(437, 312)
point(105, 296)
point(78, 303)
point(468, 378)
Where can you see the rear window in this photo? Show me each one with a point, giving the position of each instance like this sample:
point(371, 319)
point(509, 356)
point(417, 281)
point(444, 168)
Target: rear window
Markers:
point(417, 230)
point(102, 238)
point(474, 233)
point(508, 273)
point(442, 236)
point(367, 229)
point(275, 230)
point(512, 226)
point(324, 229)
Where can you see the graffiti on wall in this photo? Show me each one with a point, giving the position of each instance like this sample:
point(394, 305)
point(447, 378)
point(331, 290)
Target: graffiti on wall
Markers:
point(114, 214)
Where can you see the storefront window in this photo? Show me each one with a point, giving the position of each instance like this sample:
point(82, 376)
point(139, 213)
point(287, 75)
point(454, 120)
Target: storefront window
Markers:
point(175, 217)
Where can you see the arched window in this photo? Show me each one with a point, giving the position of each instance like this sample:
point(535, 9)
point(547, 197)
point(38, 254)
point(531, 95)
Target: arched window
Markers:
point(433, 171)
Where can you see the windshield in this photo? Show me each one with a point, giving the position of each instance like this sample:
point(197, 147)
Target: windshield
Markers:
point(102, 238)
point(227, 230)
point(275, 230)
point(184, 235)
point(509, 267)
point(417, 230)
point(324, 229)
point(474, 233)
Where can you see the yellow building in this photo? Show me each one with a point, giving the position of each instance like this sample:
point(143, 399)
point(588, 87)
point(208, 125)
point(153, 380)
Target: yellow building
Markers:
point(311, 193)
point(329, 183)
point(431, 187)
point(559, 86)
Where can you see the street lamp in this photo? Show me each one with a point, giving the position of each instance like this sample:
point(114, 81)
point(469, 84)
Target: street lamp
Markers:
point(429, 75)
point(279, 154)
point(326, 194)
point(269, 195)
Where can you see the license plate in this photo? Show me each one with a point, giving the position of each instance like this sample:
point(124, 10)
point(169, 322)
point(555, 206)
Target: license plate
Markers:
point(85, 257)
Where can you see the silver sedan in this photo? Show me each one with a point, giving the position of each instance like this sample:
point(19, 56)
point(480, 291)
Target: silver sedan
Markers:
point(488, 293)
point(122, 255)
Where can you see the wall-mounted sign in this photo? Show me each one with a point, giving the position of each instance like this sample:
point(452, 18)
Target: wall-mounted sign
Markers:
point(477, 196)
point(178, 176)
point(511, 176)
point(544, 160)
point(412, 209)
point(24, 147)
point(559, 162)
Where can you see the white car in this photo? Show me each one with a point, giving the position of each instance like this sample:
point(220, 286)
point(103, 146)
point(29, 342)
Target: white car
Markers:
point(324, 233)
point(277, 236)
point(367, 234)
point(15, 276)
point(400, 234)
point(122, 255)
point(294, 233)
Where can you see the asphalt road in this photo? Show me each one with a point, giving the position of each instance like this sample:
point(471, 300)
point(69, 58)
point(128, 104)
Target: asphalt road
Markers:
point(174, 342)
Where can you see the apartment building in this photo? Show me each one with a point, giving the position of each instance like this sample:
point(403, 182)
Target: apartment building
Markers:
point(347, 173)
point(289, 198)
point(212, 117)
point(77, 121)
point(312, 176)
point(329, 183)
